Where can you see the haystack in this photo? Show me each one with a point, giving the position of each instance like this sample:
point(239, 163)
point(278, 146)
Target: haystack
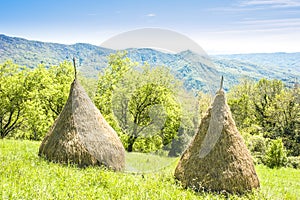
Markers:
point(217, 159)
point(80, 135)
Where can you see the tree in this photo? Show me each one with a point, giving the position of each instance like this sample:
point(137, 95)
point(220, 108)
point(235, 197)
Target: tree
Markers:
point(285, 117)
point(36, 118)
point(241, 105)
point(47, 92)
point(30, 99)
point(54, 95)
point(264, 95)
point(118, 66)
point(145, 106)
point(149, 114)
point(141, 102)
point(12, 97)
point(267, 108)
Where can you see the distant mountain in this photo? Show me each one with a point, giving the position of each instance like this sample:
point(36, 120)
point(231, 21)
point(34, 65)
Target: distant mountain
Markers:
point(31, 53)
point(198, 72)
point(280, 65)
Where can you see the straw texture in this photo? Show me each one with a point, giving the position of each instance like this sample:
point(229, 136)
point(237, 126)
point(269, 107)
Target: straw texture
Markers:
point(81, 135)
point(217, 159)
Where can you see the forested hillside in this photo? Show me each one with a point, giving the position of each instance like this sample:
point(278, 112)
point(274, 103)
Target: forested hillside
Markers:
point(197, 72)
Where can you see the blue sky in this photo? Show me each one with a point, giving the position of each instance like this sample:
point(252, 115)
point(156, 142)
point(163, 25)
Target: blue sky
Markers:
point(218, 26)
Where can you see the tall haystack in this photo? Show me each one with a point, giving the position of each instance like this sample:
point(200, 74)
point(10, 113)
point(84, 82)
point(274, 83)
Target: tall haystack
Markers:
point(217, 159)
point(81, 135)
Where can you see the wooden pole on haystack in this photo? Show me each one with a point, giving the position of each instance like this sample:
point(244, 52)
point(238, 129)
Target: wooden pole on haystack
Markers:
point(221, 85)
point(74, 64)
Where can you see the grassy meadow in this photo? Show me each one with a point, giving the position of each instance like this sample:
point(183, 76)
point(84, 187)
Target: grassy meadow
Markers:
point(23, 175)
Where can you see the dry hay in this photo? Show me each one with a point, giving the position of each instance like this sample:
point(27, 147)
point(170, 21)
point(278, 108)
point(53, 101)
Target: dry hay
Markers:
point(81, 135)
point(217, 159)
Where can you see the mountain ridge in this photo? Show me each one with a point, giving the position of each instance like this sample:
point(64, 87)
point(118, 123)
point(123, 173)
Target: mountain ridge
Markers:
point(197, 72)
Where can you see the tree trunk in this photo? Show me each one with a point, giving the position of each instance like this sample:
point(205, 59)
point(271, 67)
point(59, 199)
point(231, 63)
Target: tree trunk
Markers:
point(129, 148)
point(131, 141)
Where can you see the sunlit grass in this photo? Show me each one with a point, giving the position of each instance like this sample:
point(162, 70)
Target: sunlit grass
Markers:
point(23, 175)
point(147, 163)
point(283, 183)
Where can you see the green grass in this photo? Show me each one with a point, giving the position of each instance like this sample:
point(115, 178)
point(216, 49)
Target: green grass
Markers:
point(147, 163)
point(283, 183)
point(23, 175)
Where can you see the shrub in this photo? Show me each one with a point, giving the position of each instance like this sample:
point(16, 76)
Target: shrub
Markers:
point(293, 161)
point(256, 145)
point(276, 154)
point(148, 144)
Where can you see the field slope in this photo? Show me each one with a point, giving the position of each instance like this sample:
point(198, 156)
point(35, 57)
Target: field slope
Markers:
point(23, 175)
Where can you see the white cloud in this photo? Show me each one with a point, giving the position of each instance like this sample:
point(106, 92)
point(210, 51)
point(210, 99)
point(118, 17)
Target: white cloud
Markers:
point(151, 15)
point(271, 3)
point(255, 5)
point(267, 24)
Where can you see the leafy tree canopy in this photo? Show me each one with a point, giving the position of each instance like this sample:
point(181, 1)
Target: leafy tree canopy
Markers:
point(140, 102)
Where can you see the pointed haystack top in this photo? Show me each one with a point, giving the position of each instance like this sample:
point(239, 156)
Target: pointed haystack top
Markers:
point(217, 159)
point(81, 135)
point(75, 71)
